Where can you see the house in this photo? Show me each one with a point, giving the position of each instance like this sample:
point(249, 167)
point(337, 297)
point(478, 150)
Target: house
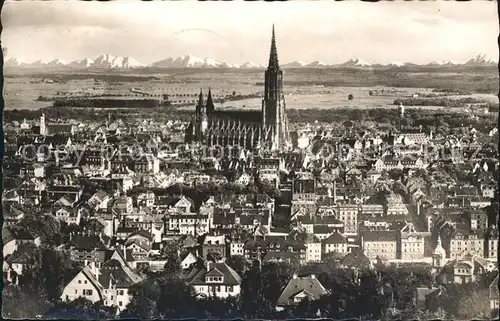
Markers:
point(467, 268)
point(395, 205)
point(68, 215)
point(380, 244)
point(348, 214)
point(140, 244)
point(258, 245)
point(32, 170)
point(215, 243)
point(463, 242)
point(373, 175)
point(99, 201)
point(313, 248)
point(322, 231)
point(299, 288)
point(188, 260)
point(23, 236)
point(18, 261)
point(412, 243)
point(335, 243)
point(215, 280)
point(491, 244)
point(356, 259)
point(112, 283)
point(279, 256)
point(86, 248)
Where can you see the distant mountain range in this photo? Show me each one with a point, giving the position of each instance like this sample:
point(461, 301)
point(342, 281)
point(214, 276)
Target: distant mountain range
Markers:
point(106, 61)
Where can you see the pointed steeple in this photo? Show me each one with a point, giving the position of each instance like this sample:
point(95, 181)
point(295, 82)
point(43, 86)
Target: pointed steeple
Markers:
point(210, 102)
point(200, 105)
point(273, 55)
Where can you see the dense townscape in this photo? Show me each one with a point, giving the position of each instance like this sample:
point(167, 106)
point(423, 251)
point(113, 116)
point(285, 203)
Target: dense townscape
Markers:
point(249, 214)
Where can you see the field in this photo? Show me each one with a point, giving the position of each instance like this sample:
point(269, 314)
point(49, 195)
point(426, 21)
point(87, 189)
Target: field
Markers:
point(304, 88)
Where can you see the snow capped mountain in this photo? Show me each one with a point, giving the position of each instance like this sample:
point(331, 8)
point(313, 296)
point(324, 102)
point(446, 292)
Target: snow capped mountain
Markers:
point(82, 63)
point(106, 61)
point(109, 61)
point(250, 65)
point(444, 63)
point(188, 61)
point(294, 64)
point(14, 62)
point(481, 60)
point(57, 62)
point(40, 63)
point(396, 64)
point(356, 62)
point(317, 64)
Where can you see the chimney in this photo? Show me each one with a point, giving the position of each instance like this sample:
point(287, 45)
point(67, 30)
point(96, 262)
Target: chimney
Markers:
point(312, 276)
point(294, 276)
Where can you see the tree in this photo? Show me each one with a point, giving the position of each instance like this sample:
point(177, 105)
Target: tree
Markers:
point(170, 252)
point(80, 308)
point(46, 226)
point(214, 256)
point(19, 304)
point(176, 299)
point(350, 97)
point(239, 264)
point(475, 305)
point(251, 298)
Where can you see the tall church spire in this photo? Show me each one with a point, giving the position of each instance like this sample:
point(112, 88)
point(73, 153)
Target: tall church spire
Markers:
point(273, 55)
point(200, 105)
point(210, 102)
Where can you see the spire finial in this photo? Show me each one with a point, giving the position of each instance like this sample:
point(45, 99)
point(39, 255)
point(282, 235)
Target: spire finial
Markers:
point(273, 56)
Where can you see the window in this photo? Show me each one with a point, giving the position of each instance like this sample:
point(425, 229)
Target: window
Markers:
point(85, 282)
point(120, 292)
point(87, 292)
point(120, 303)
point(79, 281)
point(76, 291)
point(230, 288)
point(217, 288)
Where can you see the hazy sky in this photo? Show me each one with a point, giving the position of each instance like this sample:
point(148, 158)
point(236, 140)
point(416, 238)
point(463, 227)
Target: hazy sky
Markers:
point(236, 32)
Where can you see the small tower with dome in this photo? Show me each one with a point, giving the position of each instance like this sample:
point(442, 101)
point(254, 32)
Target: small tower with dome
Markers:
point(439, 255)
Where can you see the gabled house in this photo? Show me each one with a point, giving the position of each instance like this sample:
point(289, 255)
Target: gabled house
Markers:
point(99, 201)
point(215, 280)
point(69, 215)
point(188, 260)
point(213, 243)
point(335, 243)
point(298, 289)
point(110, 283)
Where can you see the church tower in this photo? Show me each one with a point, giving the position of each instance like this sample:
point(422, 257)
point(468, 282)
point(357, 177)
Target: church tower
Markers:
point(200, 119)
point(274, 123)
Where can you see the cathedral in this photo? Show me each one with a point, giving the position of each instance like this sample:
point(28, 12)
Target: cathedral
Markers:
point(245, 129)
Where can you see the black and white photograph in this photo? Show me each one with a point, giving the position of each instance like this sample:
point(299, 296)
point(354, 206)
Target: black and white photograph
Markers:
point(171, 160)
